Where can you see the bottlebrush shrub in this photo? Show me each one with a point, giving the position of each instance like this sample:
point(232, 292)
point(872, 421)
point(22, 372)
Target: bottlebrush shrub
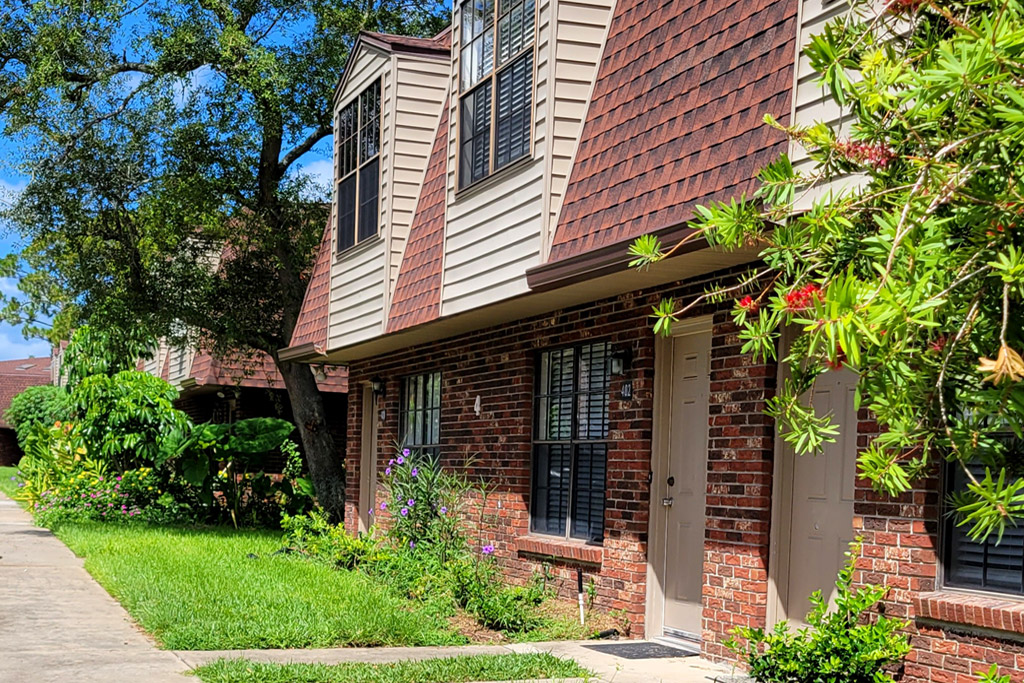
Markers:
point(849, 643)
point(897, 252)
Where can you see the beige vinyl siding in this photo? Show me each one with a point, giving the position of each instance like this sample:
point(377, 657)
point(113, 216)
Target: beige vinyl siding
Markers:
point(494, 229)
point(812, 102)
point(155, 365)
point(581, 27)
point(420, 89)
point(180, 366)
point(357, 295)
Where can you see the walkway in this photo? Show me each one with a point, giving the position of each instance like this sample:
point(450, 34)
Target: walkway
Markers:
point(58, 624)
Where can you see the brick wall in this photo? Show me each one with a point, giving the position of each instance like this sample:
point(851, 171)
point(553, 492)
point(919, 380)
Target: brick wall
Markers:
point(498, 365)
point(956, 635)
point(10, 453)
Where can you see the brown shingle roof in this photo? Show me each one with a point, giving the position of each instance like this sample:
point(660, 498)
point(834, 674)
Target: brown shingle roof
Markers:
point(439, 44)
point(676, 115)
point(18, 375)
point(258, 371)
point(311, 326)
point(418, 290)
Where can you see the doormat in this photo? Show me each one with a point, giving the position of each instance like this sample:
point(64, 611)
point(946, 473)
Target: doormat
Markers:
point(640, 649)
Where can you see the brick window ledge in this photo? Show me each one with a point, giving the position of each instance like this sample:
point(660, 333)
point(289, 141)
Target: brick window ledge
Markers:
point(994, 612)
point(573, 551)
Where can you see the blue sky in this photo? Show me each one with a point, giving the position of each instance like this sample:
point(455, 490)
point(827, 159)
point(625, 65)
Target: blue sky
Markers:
point(12, 342)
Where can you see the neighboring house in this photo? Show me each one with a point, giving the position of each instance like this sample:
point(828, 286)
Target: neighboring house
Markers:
point(475, 282)
point(15, 377)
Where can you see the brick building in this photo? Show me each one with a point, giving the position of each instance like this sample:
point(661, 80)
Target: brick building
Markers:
point(15, 377)
point(474, 280)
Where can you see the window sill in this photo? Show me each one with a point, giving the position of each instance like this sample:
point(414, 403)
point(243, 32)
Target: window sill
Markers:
point(494, 178)
point(981, 610)
point(559, 549)
point(358, 247)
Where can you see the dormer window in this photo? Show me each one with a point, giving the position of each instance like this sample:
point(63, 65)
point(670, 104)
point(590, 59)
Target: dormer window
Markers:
point(496, 82)
point(358, 168)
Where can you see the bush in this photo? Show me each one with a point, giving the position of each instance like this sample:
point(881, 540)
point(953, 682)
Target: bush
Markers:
point(312, 535)
point(849, 644)
point(43, 405)
point(93, 494)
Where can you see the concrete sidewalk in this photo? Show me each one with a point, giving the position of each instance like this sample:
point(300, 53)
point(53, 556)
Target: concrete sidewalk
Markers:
point(609, 668)
point(58, 624)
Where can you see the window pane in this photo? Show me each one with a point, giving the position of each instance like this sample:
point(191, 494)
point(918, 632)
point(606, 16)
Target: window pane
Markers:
point(369, 189)
point(550, 489)
point(512, 113)
point(420, 419)
point(346, 213)
point(989, 566)
point(369, 122)
point(515, 28)
point(589, 488)
point(347, 128)
point(475, 134)
point(476, 60)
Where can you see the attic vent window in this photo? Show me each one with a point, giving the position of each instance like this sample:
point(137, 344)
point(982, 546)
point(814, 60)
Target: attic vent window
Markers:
point(26, 366)
point(496, 82)
point(358, 155)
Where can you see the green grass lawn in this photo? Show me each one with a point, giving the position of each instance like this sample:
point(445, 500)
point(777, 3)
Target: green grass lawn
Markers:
point(511, 667)
point(202, 589)
point(6, 485)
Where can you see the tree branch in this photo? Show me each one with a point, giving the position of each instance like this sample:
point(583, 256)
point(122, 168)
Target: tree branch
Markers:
point(291, 157)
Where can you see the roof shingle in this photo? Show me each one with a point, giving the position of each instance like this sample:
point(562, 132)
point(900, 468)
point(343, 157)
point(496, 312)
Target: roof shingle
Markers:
point(311, 327)
point(418, 289)
point(676, 115)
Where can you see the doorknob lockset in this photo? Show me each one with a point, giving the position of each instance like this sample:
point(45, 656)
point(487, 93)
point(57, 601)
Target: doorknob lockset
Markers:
point(671, 481)
point(667, 502)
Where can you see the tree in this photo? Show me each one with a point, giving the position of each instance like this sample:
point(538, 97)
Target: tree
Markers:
point(913, 276)
point(162, 141)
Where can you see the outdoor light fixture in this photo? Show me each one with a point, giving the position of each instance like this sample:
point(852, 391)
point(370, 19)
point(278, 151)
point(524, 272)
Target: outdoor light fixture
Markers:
point(622, 360)
point(320, 373)
point(379, 386)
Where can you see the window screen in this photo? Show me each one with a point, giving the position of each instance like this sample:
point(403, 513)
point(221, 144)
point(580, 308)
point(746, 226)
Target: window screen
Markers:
point(988, 565)
point(571, 442)
point(420, 413)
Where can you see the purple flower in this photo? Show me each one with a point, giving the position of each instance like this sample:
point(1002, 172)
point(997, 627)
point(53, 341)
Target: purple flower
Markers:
point(119, 478)
point(387, 471)
point(405, 511)
point(415, 471)
point(384, 506)
point(370, 512)
point(401, 460)
point(405, 452)
point(391, 461)
point(444, 510)
point(487, 549)
point(410, 502)
point(412, 544)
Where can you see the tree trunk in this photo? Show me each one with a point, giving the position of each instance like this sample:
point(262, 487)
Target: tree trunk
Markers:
point(326, 465)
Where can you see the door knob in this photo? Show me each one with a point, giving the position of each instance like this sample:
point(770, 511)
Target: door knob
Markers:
point(671, 481)
point(667, 502)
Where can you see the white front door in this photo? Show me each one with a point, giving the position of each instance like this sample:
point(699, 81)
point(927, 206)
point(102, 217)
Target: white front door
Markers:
point(685, 484)
point(819, 490)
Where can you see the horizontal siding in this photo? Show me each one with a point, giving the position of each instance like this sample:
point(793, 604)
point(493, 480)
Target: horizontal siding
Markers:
point(180, 365)
point(357, 295)
point(356, 310)
point(494, 232)
point(580, 30)
point(812, 101)
point(420, 91)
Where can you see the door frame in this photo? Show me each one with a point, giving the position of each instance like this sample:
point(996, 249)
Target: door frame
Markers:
point(660, 443)
point(367, 457)
point(780, 531)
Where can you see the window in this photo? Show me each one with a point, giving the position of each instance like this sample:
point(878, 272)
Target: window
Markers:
point(420, 413)
point(358, 135)
point(984, 566)
point(496, 79)
point(571, 442)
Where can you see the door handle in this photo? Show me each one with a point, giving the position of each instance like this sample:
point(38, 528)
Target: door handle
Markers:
point(667, 502)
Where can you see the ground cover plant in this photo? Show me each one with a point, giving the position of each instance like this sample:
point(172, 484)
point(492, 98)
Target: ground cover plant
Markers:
point(220, 588)
point(9, 481)
point(510, 667)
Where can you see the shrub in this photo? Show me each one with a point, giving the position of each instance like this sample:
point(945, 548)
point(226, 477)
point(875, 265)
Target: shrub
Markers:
point(44, 404)
point(479, 590)
point(53, 454)
point(848, 644)
point(313, 535)
point(94, 494)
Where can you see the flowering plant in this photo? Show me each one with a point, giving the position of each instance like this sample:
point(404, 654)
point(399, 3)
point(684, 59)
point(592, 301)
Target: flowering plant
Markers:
point(93, 494)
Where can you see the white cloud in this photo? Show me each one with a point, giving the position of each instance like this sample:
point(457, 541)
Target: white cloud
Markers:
point(9, 190)
point(13, 345)
point(8, 286)
point(321, 171)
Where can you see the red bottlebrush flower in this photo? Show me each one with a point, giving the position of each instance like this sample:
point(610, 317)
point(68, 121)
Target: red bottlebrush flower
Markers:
point(902, 6)
point(801, 299)
point(938, 344)
point(748, 304)
point(878, 155)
